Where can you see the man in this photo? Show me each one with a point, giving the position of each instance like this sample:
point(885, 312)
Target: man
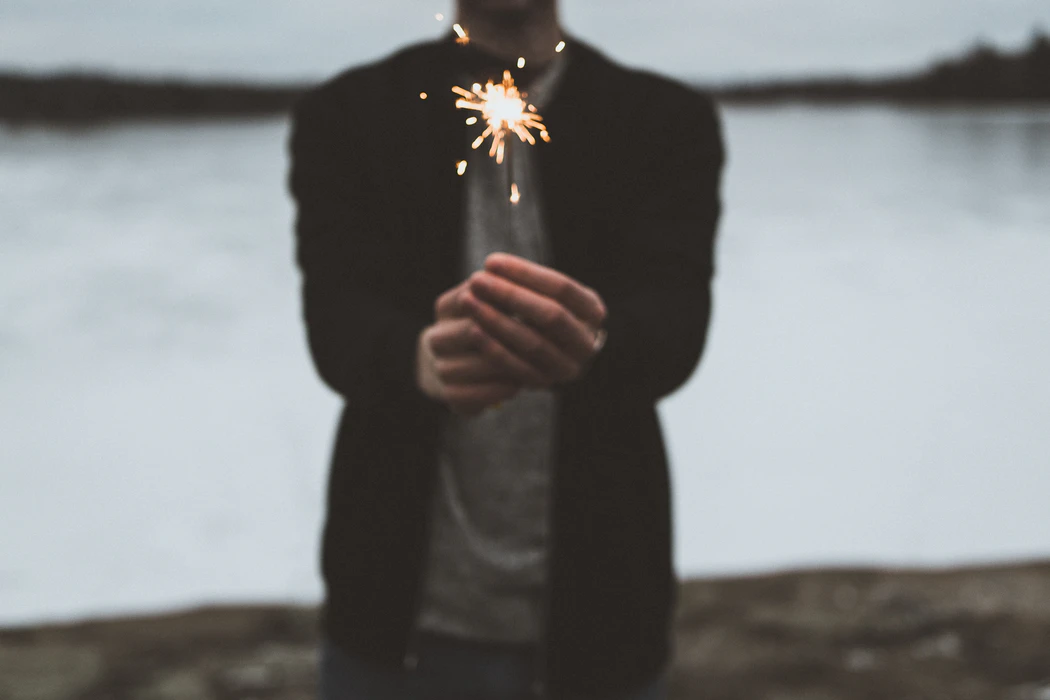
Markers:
point(498, 513)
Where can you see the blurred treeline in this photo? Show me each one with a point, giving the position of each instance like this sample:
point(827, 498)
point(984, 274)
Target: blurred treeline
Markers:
point(984, 75)
point(85, 97)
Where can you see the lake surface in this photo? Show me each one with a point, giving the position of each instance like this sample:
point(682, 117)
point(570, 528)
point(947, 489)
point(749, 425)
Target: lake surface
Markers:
point(876, 388)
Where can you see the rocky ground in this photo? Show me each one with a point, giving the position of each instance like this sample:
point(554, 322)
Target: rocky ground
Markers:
point(981, 634)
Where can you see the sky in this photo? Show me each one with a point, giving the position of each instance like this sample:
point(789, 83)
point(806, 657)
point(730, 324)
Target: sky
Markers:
point(712, 40)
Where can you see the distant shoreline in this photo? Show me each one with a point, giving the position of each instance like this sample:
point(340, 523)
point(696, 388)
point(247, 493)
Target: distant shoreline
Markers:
point(984, 76)
point(81, 98)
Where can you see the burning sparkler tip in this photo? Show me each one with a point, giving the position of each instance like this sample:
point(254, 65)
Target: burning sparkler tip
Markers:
point(505, 111)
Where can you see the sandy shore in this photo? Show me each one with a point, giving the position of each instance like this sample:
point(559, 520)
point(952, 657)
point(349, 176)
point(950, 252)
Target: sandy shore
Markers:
point(981, 634)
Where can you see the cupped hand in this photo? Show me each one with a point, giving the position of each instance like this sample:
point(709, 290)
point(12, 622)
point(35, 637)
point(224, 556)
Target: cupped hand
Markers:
point(461, 365)
point(539, 315)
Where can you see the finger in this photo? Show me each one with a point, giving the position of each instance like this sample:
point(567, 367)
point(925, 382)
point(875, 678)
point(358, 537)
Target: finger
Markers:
point(466, 370)
point(572, 335)
point(450, 303)
point(585, 303)
point(509, 364)
point(478, 396)
point(457, 336)
point(470, 369)
point(468, 353)
point(523, 341)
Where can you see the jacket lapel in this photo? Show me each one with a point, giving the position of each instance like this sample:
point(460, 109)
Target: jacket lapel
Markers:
point(569, 164)
point(437, 141)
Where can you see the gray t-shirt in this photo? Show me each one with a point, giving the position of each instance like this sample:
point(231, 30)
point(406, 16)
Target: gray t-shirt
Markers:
point(486, 566)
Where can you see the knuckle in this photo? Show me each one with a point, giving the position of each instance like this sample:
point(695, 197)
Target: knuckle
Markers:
point(563, 290)
point(475, 335)
point(554, 316)
point(467, 302)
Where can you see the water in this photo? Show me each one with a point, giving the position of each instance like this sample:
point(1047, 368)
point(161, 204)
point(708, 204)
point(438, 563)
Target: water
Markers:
point(876, 388)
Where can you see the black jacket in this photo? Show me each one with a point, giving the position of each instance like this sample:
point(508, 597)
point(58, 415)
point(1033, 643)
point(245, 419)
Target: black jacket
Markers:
point(630, 183)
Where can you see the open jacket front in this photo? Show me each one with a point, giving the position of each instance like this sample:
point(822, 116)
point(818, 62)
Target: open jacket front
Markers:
point(630, 185)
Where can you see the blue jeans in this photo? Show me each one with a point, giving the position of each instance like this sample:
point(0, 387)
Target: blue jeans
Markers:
point(448, 669)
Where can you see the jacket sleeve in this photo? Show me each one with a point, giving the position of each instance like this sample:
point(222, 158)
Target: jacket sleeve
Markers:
point(658, 317)
point(362, 344)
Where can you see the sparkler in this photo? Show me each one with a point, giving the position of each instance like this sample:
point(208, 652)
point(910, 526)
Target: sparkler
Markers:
point(505, 111)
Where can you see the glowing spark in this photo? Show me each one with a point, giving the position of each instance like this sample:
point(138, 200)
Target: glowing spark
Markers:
point(515, 195)
point(461, 167)
point(422, 95)
point(505, 111)
point(471, 121)
point(461, 33)
point(521, 62)
point(439, 17)
point(560, 47)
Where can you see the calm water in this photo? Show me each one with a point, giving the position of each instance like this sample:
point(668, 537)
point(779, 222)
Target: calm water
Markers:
point(876, 388)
